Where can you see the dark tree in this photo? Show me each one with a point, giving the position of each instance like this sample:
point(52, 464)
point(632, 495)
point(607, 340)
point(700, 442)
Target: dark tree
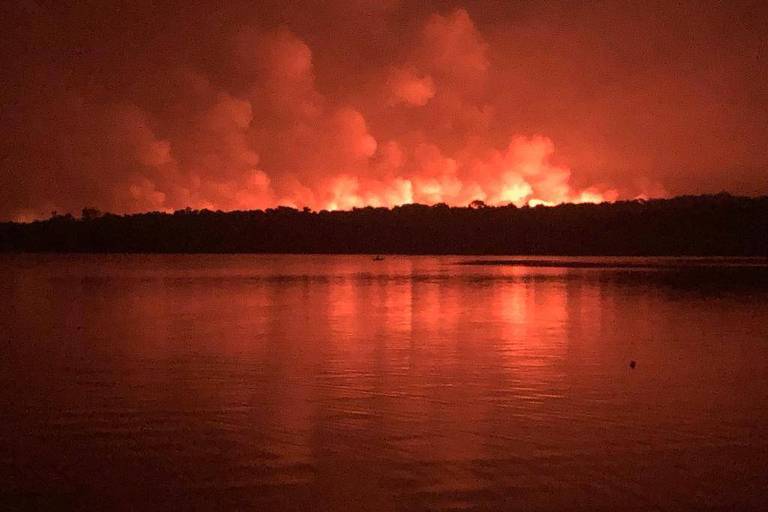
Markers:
point(90, 213)
point(690, 225)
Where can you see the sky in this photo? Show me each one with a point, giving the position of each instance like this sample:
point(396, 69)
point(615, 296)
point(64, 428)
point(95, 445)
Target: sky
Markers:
point(149, 105)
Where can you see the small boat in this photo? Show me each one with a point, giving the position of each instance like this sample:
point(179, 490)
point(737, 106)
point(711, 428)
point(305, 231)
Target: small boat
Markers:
point(378, 258)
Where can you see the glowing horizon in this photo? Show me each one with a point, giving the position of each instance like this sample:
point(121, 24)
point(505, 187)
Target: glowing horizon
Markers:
point(373, 104)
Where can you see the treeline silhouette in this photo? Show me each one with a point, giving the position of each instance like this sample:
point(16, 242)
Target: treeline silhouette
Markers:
point(688, 225)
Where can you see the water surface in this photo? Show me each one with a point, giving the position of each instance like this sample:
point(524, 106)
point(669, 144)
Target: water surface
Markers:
point(212, 382)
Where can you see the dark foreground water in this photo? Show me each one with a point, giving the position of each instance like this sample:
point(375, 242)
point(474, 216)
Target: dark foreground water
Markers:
point(413, 383)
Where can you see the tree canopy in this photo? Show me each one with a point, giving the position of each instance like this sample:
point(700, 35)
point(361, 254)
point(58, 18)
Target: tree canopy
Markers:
point(688, 225)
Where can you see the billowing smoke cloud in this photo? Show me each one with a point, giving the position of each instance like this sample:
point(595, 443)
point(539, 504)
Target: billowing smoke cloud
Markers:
point(338, 106)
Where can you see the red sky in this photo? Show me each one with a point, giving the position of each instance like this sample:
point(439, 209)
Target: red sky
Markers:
point(146, 105)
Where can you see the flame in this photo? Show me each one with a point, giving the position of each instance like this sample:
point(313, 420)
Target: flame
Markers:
point(522, 174)
point(423, 129)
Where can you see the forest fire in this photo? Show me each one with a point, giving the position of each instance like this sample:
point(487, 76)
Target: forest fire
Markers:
point(274, 125)
point(520, 175)
point(383, 255)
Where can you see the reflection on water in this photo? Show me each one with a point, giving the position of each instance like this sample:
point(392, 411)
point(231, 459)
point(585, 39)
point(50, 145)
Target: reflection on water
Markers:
point(342, 383)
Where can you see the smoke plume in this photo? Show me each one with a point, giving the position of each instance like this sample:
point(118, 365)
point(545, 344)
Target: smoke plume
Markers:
point(332, 105)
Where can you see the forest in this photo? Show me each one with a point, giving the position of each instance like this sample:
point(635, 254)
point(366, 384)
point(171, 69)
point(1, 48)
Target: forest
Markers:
point(707, 225)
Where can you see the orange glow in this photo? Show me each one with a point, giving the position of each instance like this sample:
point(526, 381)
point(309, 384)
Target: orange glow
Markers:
point(282, 120)
point(522, 174)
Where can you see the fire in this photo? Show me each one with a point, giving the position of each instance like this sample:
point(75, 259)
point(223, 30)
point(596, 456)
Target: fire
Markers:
point(521, 174)
point(422, 126)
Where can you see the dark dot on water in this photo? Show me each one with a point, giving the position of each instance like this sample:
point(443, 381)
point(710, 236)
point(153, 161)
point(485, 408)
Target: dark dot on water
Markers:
point(632, 364)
